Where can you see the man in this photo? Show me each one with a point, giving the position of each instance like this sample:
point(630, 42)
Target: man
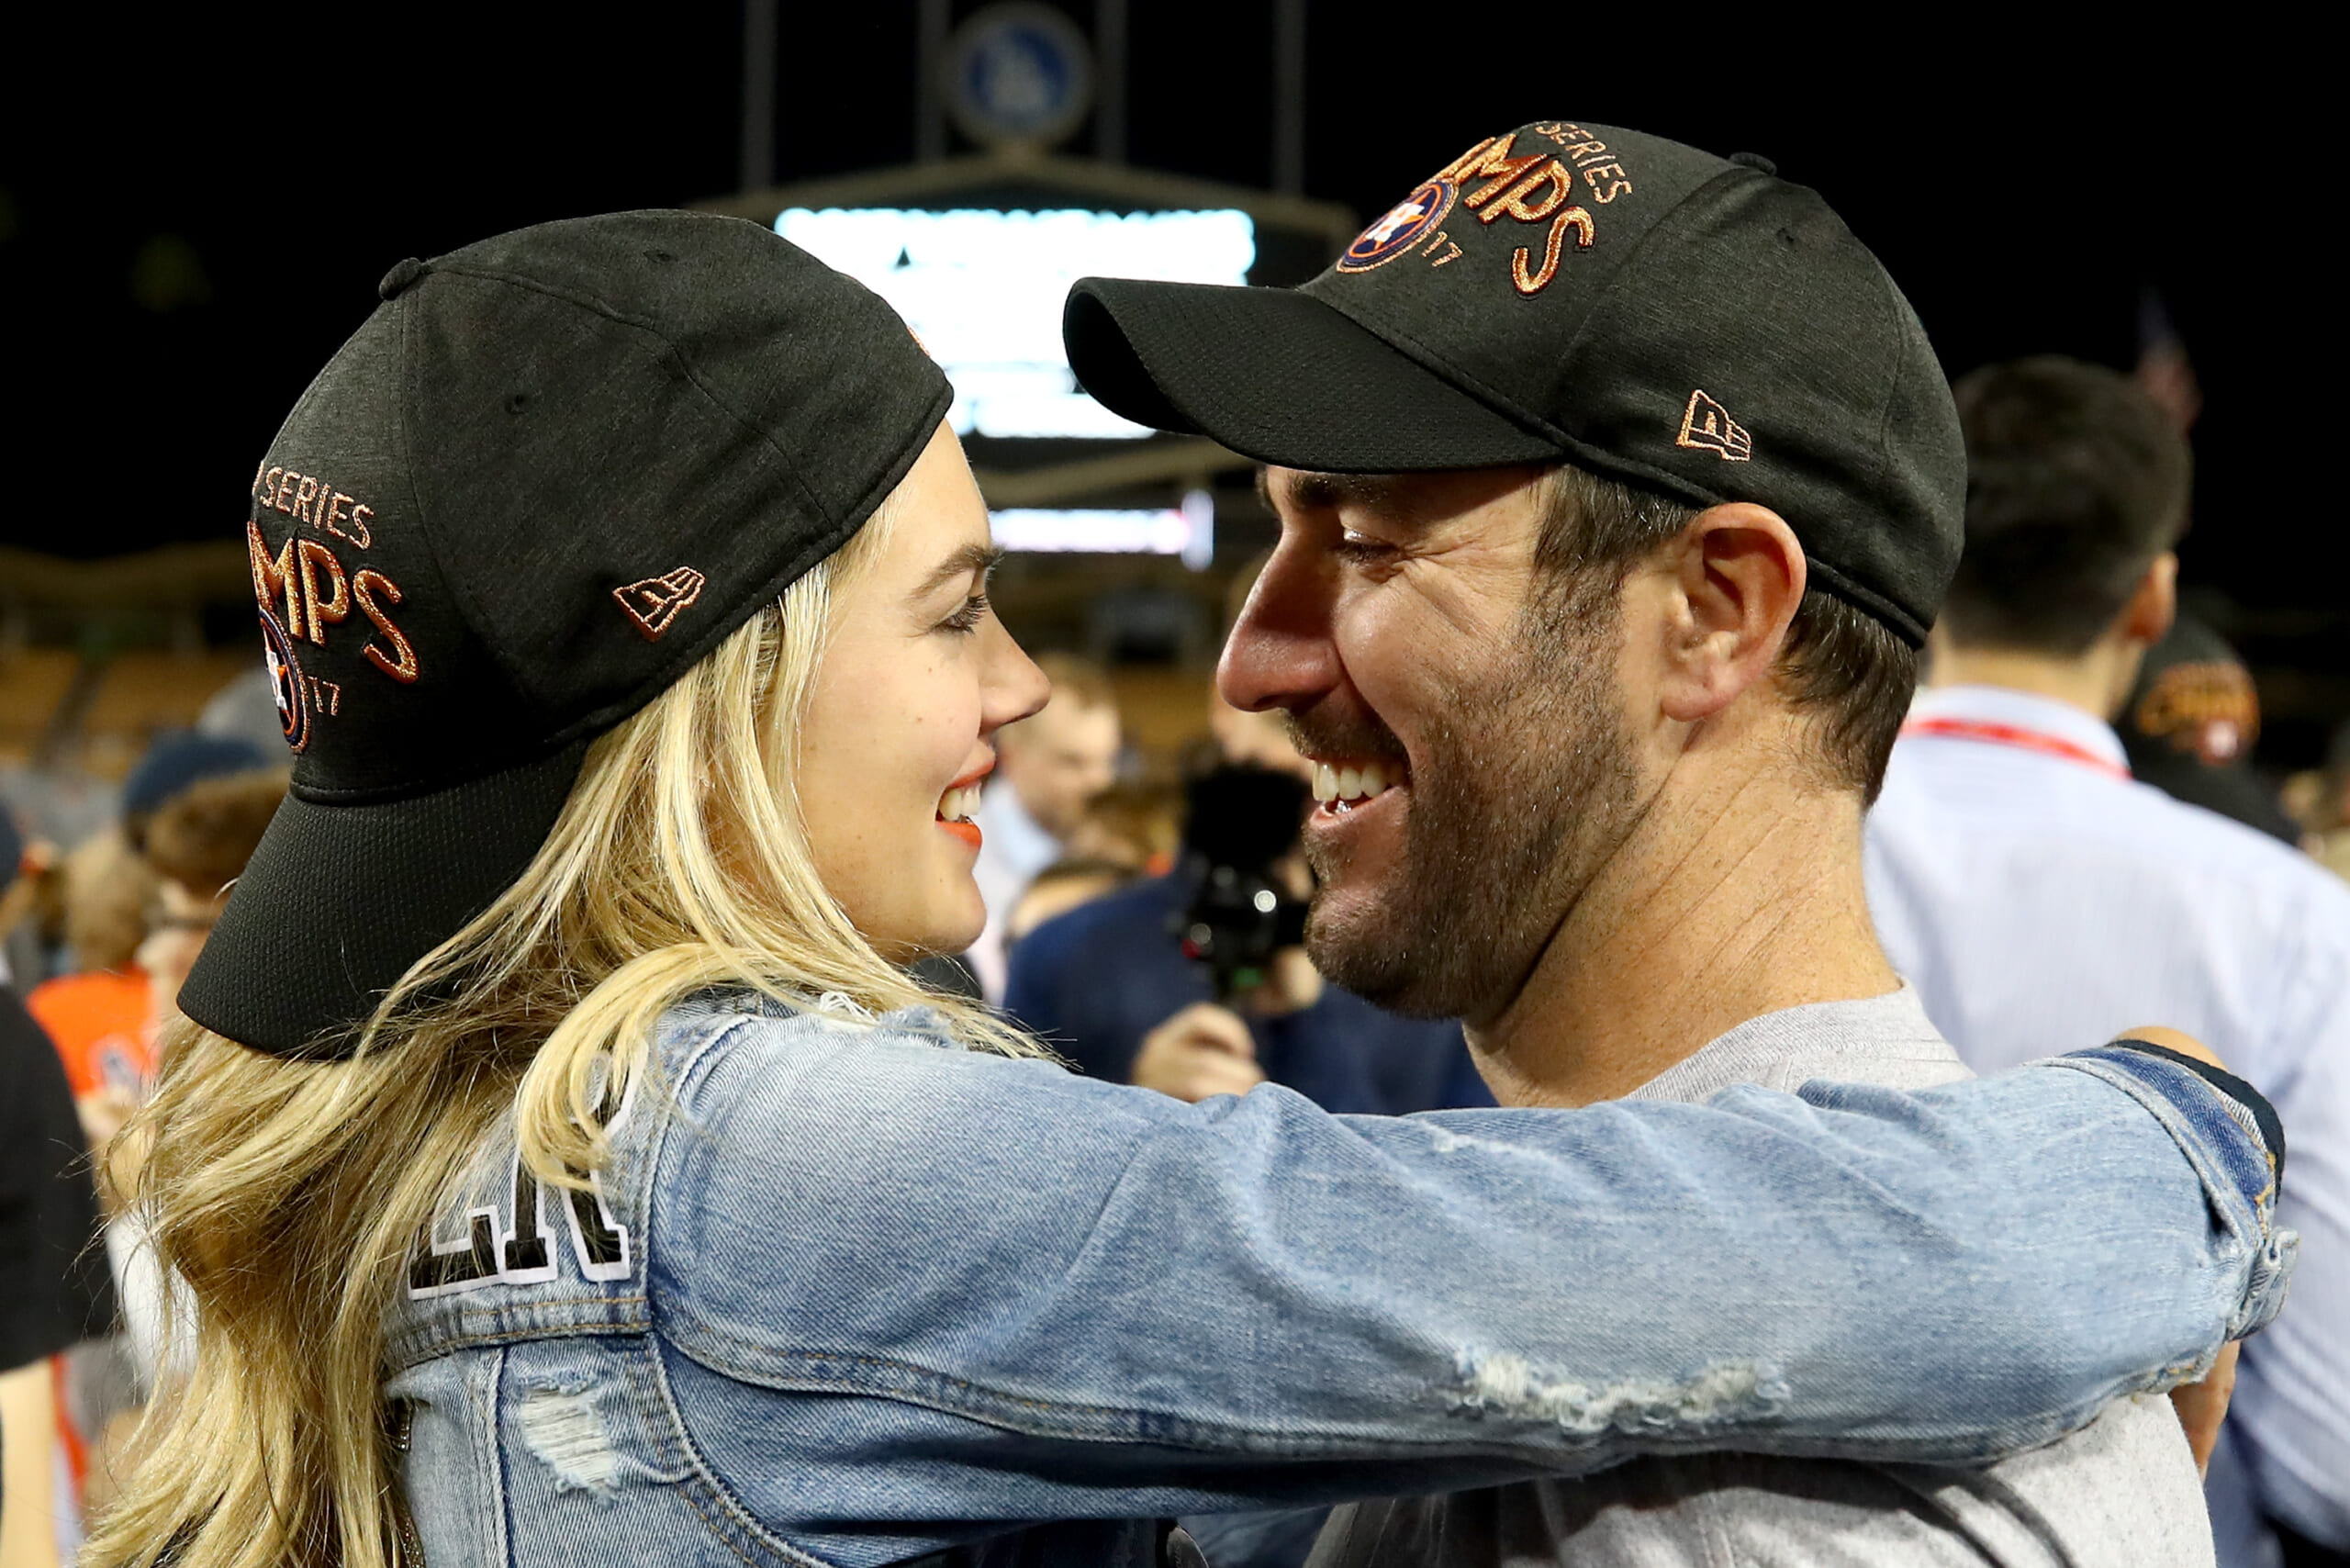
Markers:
point(1618, 488)
point(2031, 889)
point(1048, 770)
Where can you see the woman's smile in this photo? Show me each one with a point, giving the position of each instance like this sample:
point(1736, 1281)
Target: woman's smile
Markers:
point(960, 804)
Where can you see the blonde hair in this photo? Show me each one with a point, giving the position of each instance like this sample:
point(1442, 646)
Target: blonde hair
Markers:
point(289, 1196)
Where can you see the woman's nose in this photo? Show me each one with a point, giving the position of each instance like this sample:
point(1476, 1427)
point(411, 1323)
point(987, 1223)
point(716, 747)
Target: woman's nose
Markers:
point(1014, 688)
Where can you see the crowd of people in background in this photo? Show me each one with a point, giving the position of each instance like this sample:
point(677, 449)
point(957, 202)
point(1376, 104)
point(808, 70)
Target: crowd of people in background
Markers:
point(2071, 835)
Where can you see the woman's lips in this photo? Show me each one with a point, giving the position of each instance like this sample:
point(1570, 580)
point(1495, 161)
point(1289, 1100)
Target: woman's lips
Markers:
point(960, 803)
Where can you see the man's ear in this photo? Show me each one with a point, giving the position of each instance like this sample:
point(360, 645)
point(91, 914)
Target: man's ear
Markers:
point(2154, 604)
point(1738, 575)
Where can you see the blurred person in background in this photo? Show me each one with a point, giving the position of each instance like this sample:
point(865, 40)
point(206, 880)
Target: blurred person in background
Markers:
point(103, 1013)
point(2031, 891)
point(54, 1289)
point(2321, 806)
point(1048, 770)
point(1138, 825)
point(2189, 725)
point(196, 809)
point(245, 709)
point(1112, 986)
point(1063, 885)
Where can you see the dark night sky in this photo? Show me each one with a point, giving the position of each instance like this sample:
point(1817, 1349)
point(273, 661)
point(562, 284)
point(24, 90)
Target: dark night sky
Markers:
point(254, 178)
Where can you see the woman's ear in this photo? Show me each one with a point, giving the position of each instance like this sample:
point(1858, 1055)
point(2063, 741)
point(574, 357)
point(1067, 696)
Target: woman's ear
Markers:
point(1737, 577)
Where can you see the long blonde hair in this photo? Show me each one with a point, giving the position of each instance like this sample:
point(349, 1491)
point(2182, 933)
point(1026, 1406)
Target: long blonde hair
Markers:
point(288, 1195)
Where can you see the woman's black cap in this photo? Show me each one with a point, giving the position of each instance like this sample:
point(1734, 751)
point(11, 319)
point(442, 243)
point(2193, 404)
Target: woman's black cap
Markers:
point(550, 473)
point(1685, 323)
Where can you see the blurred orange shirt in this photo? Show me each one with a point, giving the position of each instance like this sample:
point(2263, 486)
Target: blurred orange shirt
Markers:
point(104, 1027)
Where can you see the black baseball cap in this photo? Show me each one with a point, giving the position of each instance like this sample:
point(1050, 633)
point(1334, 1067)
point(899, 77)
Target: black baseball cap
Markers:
point(2189, 724)
point(550, 473)
point(1685, 323)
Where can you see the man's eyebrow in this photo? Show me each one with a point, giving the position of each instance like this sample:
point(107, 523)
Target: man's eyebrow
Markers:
point(969, 558)
point(1321, 491)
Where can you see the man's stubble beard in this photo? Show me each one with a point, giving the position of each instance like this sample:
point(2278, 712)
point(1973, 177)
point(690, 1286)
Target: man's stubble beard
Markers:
point(1521, 793)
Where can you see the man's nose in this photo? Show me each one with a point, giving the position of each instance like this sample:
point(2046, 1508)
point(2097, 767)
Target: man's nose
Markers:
point(1280, 653)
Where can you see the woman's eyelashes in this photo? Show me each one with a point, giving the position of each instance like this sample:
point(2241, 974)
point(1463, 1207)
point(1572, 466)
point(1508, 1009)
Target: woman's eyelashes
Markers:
point(966, 620)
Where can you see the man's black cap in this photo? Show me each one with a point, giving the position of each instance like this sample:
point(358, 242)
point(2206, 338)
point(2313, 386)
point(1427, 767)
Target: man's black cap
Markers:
point(550, 473)
point(1685, 323)
point(2189, 724)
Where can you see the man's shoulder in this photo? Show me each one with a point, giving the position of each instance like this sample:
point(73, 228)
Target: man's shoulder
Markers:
point(1885, 1040)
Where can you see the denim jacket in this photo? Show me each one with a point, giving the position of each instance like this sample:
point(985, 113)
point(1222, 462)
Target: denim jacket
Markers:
point(849, 1295)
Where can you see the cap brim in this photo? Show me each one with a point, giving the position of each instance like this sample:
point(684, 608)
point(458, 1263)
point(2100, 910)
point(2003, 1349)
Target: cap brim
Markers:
point(339, 900)
point(1279, 376)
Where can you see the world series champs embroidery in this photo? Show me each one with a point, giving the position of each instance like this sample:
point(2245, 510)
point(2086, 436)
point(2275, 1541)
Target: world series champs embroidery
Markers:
point(303, 587)
point(1538, 186)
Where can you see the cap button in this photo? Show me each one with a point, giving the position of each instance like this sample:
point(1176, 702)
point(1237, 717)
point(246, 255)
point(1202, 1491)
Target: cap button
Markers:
point(399, 277)
point(1754, 160)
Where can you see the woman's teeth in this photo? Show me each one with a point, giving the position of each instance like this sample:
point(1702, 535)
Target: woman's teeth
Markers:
point(959, 805)
point(1333, 784)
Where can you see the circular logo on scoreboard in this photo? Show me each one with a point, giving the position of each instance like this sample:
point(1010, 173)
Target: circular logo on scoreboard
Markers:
point(1402, 226)
point(285, 681)
point(1018, 74)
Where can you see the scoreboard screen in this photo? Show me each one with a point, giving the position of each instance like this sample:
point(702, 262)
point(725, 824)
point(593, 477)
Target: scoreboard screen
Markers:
point(983, 290)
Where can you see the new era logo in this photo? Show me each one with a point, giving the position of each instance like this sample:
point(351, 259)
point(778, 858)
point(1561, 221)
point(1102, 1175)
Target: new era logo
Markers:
point(1708, 427)
point(655, 602)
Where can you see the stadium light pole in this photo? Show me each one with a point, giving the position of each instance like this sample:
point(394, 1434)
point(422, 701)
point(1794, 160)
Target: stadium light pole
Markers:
point(1289, 97)
point(758, 94)
point(1110, 100)
point(930, 55)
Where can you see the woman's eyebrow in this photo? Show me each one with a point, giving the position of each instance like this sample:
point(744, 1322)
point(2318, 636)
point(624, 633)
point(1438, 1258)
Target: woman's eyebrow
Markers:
point(969, 558)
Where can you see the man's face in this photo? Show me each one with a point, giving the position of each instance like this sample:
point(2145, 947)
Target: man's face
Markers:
point(1399, 627)
point(1060, 760)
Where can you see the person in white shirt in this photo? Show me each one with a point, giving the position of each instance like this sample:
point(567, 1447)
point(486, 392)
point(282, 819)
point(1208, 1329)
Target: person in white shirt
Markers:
point(1048, 770)
point(2035, 894)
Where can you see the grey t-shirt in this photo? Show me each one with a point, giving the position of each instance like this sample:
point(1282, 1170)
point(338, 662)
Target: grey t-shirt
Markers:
point(2123, 1492)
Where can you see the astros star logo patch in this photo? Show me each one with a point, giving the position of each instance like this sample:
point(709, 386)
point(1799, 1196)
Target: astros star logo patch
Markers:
point(285, 681)
point(1402, 226)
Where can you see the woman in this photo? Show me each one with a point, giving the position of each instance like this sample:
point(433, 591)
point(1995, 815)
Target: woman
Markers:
point(567, 1171)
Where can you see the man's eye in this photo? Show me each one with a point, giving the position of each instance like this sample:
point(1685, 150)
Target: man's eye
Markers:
point(1359, 547)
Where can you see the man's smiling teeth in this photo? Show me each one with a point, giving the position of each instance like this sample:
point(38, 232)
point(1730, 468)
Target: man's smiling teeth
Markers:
point(959, 805)
point(1348, 783)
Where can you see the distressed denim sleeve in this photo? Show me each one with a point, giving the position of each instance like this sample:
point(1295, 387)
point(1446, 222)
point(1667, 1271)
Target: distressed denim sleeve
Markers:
point(1074, 1299)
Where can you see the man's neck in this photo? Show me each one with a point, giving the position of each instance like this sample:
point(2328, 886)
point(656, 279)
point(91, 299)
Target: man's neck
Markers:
point(1738, 895)
point(2098, 682)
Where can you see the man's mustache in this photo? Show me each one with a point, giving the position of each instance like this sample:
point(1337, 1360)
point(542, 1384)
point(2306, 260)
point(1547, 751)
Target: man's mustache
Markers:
point(1353, 737)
